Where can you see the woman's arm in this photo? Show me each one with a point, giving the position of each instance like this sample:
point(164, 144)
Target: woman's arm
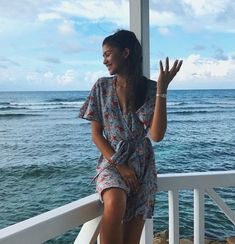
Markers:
point(158, 123)
point(99, 140)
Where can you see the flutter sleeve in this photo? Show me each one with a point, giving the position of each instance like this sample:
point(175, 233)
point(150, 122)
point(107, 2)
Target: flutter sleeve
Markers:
point(145, 113)
point(91, 109)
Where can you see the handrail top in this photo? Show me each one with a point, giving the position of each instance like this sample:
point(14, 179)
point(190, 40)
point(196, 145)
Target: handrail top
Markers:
point(204, 173)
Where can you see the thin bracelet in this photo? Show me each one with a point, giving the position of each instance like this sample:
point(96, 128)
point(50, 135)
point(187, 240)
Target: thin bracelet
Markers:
point(163, 95)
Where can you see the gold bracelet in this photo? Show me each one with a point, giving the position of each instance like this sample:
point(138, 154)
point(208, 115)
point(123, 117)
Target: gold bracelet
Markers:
point(163, 95)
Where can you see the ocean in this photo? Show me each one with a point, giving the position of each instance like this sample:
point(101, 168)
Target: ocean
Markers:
point(47, 158)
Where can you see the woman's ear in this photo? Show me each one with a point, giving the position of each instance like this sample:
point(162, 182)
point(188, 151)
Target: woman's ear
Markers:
point(126, 52)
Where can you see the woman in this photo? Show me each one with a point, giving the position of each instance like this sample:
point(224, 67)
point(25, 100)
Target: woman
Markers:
point(126, 109)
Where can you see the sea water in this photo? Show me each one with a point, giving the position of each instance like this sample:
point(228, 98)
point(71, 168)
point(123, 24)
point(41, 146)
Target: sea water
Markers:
point(47, 158)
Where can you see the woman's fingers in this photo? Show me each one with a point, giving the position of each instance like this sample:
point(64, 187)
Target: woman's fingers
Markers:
point(175, 68)
point(175, 64)
point(132, 181)
point(135, 182)
point(167, 64)
point(179, 65)
point(161, 66)
point(129, 176)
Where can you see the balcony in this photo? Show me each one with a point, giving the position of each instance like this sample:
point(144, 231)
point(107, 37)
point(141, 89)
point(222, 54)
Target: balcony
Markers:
point(87, 212)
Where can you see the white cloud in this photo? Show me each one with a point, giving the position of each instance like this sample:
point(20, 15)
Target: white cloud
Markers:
point(51, 60)
point(204, 68)
point(7, 75)
point(51, 79)
point(164, 31)
point(67, 28)
point(90, 78)
point(200, 72)
point(33, 76)
point(7, 61)
point(206, 7)
point(67, 78)
point(48, 16)
point(194, 16)
point(165, 18)
point(93, 10)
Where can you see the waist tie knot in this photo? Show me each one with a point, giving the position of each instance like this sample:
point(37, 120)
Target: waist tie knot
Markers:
point(123, 150)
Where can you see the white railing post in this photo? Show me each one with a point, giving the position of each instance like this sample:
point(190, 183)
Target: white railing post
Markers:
point(147, 233)
point(89, 232)
point(173, 198)
point(199, 216)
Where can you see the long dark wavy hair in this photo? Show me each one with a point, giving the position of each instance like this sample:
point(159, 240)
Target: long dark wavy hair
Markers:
point(127, 39)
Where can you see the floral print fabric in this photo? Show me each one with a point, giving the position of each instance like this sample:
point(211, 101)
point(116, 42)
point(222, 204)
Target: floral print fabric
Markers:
point(127, 135)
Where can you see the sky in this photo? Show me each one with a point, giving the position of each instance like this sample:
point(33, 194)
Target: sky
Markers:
point(56, 44)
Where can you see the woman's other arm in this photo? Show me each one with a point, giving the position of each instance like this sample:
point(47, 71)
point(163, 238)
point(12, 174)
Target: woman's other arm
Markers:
point(99, 140)
point(103, 145)
point(158, 123)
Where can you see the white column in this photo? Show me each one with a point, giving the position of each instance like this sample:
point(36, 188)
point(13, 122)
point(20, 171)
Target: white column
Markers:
point(139, 23)
point(198, 216)
point(173, 198)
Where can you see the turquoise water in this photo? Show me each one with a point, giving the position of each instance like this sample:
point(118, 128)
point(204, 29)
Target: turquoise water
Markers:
point(47, 158)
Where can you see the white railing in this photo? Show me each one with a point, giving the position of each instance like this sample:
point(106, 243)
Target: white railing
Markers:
point(87, 212)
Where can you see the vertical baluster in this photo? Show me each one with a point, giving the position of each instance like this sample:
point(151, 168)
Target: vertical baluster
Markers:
point(198, 216)
point(147, 234)
point(173, 199)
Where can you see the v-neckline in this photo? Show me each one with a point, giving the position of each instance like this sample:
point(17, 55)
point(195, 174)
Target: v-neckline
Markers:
point(119, 105)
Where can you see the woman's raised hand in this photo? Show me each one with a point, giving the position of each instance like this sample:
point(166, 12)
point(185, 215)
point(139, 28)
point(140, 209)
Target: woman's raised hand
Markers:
point(166, 75)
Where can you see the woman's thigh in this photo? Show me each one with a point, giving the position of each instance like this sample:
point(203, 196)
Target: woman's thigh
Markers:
point(114, 199)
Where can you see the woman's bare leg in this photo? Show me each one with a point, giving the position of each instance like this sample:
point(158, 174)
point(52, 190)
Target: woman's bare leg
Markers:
point(132, 230)
point(111, 231)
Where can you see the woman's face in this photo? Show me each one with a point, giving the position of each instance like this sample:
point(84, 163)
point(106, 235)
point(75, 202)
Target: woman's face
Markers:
point(114, 59)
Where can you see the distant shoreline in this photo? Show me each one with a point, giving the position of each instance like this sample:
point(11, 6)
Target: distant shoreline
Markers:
point(202, 89)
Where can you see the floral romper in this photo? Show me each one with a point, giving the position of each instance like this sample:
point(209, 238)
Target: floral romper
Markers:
point(127, 135)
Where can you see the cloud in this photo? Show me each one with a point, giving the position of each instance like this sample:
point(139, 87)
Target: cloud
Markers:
point(51, 60)
point(51, 78)
point(71, 47)
point(110, 11)
point(48, 16)
point(7, 61)
point(67, 28)
point(204, 68)
point(24, 9)
point(164, 31)
point(194, 16)
point(201, 72)
point(2, 66)
point(7, 75)
point(213, 15)
point(219, 54)
point(199, 47)
point(163, 19)
point(206, 7)
point(67, 78)
point(33, 76)
point(90, 78)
